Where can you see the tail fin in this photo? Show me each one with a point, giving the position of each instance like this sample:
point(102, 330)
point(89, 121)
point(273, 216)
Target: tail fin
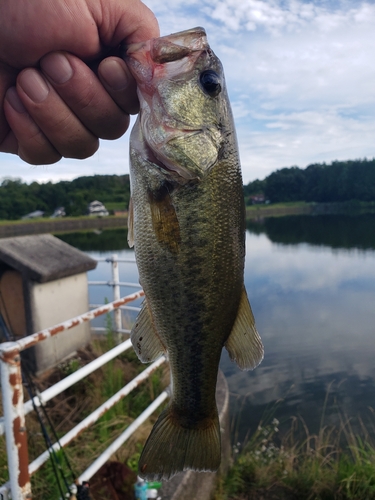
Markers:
point(172, 448)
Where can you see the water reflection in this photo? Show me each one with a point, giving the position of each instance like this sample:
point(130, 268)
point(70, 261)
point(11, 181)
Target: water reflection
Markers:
point(311, 283)
point(335, 231)
point(109, 240)
point(314, 307)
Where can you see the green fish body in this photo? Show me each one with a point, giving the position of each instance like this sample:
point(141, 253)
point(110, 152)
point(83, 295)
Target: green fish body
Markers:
point(187, 223)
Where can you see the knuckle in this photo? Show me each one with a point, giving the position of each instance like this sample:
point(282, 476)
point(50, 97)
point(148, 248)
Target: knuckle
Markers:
point(37, 155)
point(86, 98)
point(115, 129)
point(80, 149)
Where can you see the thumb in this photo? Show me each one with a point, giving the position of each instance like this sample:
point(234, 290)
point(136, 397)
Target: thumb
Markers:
point(119, 20)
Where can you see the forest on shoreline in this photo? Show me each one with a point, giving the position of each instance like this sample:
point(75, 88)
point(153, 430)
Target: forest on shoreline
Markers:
point(18, 198)
point(339, 181)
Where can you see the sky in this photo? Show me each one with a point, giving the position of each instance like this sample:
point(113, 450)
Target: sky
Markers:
point(300, 76)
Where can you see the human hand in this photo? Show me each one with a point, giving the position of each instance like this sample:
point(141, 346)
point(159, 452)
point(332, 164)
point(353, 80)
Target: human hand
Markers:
point(52, 104)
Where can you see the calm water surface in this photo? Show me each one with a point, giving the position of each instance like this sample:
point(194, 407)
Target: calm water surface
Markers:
point(311, 283)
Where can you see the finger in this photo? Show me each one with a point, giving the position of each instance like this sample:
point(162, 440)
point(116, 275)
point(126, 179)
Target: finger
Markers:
point(83, 92)
point(9, 144)
point(26, 139)
point(7, 79)
point(131, 21)
point(119, 83)
point(56, 120)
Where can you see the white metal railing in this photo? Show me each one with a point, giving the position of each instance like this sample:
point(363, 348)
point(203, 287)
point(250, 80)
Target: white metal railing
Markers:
point(116, 285)
point(13, 422)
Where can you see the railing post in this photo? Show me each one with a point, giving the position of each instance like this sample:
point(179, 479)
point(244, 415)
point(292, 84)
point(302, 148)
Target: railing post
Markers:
point(14, 421)
point(116, 295)
point(4, 493)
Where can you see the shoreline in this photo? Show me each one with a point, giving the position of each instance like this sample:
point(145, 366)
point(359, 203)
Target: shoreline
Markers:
point(22, 228)
point(67, 224)
point(279, 210)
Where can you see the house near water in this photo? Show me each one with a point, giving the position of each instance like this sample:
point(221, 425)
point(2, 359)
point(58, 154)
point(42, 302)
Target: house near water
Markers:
point(97, 209)
point(34, 215)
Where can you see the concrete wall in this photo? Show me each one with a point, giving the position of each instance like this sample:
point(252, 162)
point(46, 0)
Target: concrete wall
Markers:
point(17, 228)
point(52, 303)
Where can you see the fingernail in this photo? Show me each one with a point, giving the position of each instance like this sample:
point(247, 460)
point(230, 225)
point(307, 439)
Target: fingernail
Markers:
point(57, 67)
point(34, 85)
point(12, 97)
point(114, 74)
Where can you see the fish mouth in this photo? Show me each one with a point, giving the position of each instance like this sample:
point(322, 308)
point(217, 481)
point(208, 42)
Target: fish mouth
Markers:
point(170, 48)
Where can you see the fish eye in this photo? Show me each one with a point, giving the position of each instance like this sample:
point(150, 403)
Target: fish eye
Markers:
point(210, 82)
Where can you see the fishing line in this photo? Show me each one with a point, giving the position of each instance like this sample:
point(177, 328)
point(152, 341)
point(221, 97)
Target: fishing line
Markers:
point(56, 466)
point(34, 392)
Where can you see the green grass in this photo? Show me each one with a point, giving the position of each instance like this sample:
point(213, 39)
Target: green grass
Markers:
point(295, 207)
point(282, 205)
point(352, 206)
point(116, 205)
point(48, 219)
point(335, 464)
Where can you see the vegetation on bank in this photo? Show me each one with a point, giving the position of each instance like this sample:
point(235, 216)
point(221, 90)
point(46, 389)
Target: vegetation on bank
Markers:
point(18, 198)
point(335, 464)
point(44, 220)
point(339, 181)
point(281, 208)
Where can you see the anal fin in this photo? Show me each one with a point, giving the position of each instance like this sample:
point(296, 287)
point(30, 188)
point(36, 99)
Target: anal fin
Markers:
point(145, 340)
point(244, 343)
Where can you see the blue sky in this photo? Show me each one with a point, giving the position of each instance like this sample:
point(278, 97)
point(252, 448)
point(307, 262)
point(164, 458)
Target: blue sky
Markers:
point(300, 75)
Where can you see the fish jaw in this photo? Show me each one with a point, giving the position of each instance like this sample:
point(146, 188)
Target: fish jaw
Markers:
point(147, 59)
point(181, 124)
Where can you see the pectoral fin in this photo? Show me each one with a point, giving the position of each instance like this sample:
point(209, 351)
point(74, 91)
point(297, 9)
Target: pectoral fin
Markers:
point(131, 224)
point(244, 344)
point(145, 340)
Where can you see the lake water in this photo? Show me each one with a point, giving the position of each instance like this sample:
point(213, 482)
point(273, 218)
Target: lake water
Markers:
point(311, 283)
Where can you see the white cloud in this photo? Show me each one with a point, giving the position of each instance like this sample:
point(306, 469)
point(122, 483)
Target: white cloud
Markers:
point(275, 15)
point(310, 92)
point(300, 77)
point(111, 158)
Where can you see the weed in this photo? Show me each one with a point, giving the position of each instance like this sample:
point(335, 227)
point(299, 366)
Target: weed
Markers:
point(334, 464)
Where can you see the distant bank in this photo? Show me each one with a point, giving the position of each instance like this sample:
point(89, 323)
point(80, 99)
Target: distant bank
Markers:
point(304, 208)
point(20, 228)
point(279, 209)
point(67, 224)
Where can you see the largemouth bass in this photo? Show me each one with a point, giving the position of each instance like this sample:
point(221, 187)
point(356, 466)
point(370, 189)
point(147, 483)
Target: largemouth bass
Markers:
point(187, 223)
